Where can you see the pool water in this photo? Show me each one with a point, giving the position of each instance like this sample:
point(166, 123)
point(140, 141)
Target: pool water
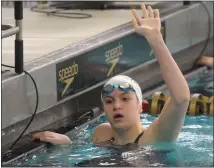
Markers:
point(193, 148)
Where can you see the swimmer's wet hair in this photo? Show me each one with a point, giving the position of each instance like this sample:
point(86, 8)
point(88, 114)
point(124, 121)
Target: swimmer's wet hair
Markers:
point(119, 79)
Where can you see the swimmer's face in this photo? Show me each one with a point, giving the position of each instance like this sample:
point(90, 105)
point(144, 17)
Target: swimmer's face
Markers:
point(122, 108)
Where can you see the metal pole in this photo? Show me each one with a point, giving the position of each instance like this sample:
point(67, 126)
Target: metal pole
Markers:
point(9, 32)
point(18, 11)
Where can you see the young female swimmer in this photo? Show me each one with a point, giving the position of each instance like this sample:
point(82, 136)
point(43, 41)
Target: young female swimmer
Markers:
point(122, 97)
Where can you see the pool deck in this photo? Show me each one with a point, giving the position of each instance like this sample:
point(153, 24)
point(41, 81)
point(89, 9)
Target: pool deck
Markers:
point(43, 34)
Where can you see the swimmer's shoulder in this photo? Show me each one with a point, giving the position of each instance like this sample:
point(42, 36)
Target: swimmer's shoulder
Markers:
point(149, 135)
point(102, 133)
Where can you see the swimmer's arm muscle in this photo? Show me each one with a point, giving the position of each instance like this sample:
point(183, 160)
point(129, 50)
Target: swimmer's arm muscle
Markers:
point(173, 77)
point(171, 119)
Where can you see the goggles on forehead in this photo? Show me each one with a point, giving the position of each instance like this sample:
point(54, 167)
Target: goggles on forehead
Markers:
point(109, 88)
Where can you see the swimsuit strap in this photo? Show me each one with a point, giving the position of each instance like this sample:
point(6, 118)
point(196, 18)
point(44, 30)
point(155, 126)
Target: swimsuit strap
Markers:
point(136, 140)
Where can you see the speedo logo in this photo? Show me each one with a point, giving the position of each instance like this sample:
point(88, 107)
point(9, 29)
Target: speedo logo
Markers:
point(113, 56)
point(66, 75)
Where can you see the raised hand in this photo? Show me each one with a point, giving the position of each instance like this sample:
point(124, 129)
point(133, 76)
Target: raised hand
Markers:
point(150, 24)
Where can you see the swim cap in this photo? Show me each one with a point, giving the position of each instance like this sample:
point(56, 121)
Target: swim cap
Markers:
point(120, 79)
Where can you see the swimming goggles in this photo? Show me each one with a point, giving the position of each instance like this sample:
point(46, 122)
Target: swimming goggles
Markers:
point(124, 87)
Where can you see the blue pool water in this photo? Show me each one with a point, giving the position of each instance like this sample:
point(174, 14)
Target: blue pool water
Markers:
point(193, 148)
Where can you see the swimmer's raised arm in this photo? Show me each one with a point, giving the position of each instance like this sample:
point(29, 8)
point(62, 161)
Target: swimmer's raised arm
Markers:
point(169, 123)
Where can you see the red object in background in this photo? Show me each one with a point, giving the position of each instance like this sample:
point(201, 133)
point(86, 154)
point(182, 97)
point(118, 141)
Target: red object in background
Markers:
point(145, 106)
